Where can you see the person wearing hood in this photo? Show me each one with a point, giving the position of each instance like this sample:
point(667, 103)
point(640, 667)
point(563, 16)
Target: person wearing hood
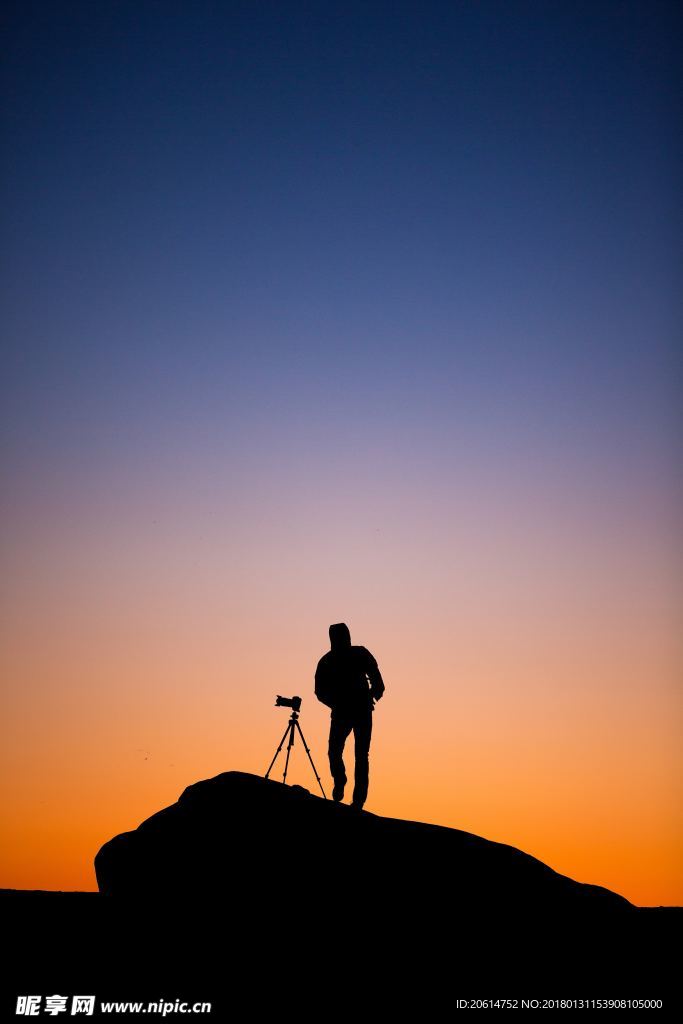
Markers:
point(349, 682)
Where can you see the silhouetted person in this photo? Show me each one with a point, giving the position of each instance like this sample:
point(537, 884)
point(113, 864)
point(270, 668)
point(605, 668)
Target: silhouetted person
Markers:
point(348, 680)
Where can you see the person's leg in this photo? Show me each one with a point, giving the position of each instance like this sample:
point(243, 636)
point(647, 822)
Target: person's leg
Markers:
point(362, 731)
point(339, 730)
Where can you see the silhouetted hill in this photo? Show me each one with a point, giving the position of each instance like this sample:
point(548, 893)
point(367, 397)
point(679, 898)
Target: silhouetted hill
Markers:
point(248, 890)
point(269, 836)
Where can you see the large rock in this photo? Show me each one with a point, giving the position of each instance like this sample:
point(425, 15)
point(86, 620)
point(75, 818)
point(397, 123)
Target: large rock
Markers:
point(249, 840)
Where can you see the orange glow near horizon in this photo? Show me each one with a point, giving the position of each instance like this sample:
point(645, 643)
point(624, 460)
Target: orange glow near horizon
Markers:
point(531, 673)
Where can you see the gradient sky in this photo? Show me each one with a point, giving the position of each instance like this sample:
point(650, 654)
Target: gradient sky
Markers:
point(344, 311)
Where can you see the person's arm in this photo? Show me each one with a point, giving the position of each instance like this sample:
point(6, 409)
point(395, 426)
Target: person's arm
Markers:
point(322, 683)
point(375, 677)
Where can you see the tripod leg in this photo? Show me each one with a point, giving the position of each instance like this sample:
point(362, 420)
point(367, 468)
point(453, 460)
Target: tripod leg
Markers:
point(289, 748)
point(277, 752)
point(310, 759)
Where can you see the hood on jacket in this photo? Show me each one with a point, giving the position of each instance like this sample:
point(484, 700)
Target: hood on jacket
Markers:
point(340, 637)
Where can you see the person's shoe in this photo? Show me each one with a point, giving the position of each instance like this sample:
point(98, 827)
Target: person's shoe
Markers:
point(356, 805)
point(338, 792)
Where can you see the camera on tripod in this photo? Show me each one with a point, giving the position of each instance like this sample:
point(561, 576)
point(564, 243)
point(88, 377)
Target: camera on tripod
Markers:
point(288, 702)
point(292, 729)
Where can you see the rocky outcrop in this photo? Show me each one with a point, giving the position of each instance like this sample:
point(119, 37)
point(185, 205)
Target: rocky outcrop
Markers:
point(248, 840)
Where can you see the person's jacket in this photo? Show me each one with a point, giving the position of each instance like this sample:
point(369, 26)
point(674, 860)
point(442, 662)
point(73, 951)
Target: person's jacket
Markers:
point(348, 680)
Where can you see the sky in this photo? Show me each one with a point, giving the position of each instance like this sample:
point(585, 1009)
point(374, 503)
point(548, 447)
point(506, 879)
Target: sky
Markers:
point(362, 312)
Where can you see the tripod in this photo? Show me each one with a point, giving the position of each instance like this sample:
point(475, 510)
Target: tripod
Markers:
point(290, 731)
